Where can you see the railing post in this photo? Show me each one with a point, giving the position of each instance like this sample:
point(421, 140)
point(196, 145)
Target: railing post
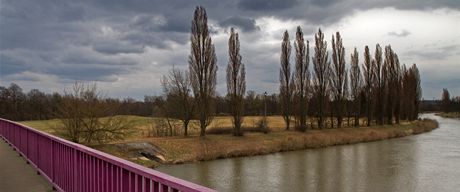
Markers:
point(27, 144)
point(52, 161)
point(38, 152)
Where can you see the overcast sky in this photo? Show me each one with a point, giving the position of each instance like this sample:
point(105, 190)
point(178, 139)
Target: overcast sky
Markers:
point(126, 46)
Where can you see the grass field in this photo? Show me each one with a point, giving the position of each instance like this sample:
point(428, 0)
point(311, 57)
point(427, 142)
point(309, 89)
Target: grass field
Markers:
point(142, 125)
point(180, 149)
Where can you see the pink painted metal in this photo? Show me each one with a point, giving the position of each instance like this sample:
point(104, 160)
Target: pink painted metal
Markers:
point(76, 168)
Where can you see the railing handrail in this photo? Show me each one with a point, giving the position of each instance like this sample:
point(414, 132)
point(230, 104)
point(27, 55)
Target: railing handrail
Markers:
point(168, 180)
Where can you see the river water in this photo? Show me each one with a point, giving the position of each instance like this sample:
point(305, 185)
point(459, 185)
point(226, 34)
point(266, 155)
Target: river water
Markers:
point(427, 162)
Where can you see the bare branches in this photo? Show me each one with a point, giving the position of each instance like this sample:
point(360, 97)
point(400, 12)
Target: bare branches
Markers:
point(338, 76)
point(203, 67)
point(379, 84)
point(411, 92)
point(321, 67)
point(87, 117)
point(301, 79)
point(236, 83)
point(355, 85)
point(179, 102)
point(393, 84)
point(369, 76)
point(285, 79)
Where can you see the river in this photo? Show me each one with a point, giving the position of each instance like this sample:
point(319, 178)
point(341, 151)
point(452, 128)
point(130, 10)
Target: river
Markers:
point(426, 162)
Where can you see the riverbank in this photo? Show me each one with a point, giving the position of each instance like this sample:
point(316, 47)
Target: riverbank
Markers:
point(455, 115)
point(178, 150)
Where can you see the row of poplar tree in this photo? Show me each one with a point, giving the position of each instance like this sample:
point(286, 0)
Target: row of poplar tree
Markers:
point(390, 91)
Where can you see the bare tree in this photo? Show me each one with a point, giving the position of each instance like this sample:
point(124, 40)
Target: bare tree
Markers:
point(346, 98)
point(405, 104)
point(338, 76)
point(391, 73)
point(387, 76)
point(285, 79)
point(177, 89)
point(301, 79)
point(368, 81)
point(417, 89)
point(321, 67)
point(88, 118)
point(379, 84)
point(397, 83)
point(445, 100)
point(71, 114)
point(355, 85)
point(236, 83)
point(411, 92)
point(203, 67)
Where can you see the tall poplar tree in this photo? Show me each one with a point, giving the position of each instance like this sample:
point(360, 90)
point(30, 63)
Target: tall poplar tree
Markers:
point(236, 83)
point(285, 79)
point(203, 67)
point(301, 79)
point(322, 71)
point(338, 77)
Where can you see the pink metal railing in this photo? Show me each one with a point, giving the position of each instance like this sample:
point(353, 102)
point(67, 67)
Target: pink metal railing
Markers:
point(74, 167)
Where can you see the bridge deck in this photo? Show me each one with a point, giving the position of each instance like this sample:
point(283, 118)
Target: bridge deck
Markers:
point(16, 174)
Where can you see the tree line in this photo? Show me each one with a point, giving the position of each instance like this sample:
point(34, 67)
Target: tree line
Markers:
point(18, 105)
point(380, 88)
point(35, 104)
point(448, 103)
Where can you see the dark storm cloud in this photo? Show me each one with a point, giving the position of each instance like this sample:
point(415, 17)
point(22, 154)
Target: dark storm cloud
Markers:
point(324, 3)
point(243, 23)
point(97, 60)
point(85, 72)
point(159, 40)
point(181, 25)
point(266, 5)
point(10, 65)
point(114, 47)
point(159, 23)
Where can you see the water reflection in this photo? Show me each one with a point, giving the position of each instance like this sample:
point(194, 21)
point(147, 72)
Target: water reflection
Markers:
point(427, 162)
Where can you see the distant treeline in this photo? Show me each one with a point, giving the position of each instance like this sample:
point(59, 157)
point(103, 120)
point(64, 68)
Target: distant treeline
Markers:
point(448, 103)
point(18, 105)
point(36, 105)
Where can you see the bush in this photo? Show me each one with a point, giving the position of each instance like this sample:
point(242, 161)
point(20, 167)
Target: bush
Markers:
point(262, 125)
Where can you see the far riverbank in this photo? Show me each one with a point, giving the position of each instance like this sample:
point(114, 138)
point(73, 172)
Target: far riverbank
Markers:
point(177, 150)
point(449, 115)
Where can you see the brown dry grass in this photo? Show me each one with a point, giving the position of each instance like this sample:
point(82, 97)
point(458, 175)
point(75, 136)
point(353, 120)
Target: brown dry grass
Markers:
point(181, 149)
point(455, 115)
point(188, 149)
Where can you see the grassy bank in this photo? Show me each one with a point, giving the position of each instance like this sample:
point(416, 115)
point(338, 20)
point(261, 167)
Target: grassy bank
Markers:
point(449, 115)
point(189, 149)
point(222, 144)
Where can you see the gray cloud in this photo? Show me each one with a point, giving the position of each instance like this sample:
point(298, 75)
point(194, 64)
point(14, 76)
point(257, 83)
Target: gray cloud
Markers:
point(403, 33)
point(266, 5)
point(244, 23)
point(116, 47)
point(10, 65)
point(324, 3)
point(435, 53)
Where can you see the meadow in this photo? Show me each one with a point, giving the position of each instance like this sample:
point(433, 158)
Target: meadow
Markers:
point(219, 142)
